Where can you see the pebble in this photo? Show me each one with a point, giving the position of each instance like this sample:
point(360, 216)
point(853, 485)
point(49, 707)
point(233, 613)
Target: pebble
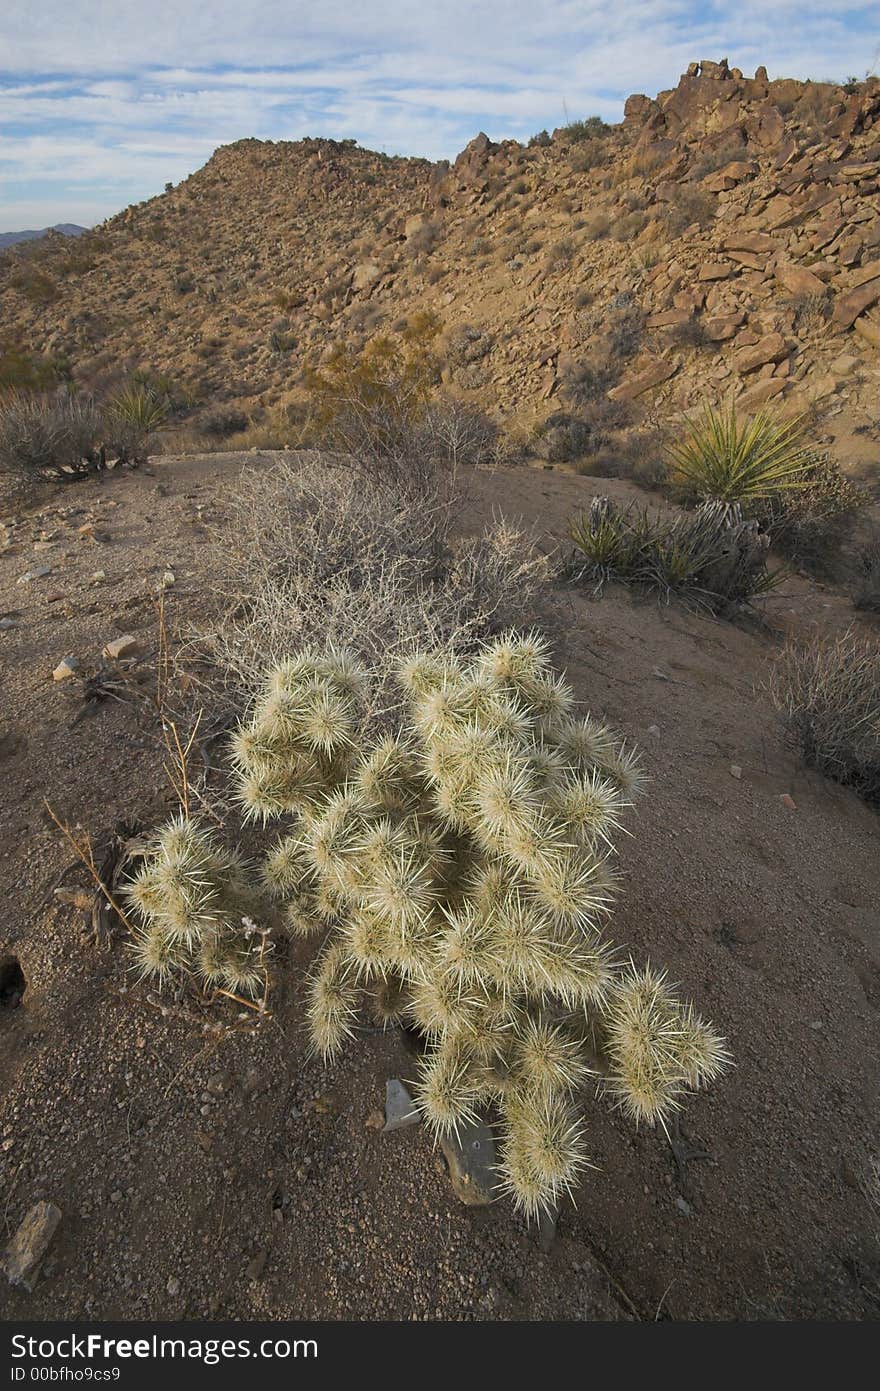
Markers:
point(736, 771)
point(788, 801)
point(38, 573)
point(173, 1286)
point(66, 668)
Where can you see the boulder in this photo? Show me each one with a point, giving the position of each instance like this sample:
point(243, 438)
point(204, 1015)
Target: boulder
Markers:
point(798, 280)
point(848, 307)
point(653, 376)
point(770, 348)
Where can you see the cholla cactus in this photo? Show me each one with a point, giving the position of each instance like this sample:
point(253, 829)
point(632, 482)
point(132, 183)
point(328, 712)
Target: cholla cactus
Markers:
point(460, 871)
point(197, 907)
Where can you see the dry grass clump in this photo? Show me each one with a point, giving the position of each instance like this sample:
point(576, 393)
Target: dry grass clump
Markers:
point(47, 435)
point(308, 554)
point(828, 693)
point(459, 870)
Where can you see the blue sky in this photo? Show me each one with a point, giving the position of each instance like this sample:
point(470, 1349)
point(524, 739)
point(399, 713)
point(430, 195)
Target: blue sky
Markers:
point(103, 101)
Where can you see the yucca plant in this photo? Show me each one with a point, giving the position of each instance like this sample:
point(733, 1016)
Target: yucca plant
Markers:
point(139, 407)
point(736, 462)
point(459, 873)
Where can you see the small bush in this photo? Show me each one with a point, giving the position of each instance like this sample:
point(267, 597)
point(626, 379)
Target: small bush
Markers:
point(577, 132)
point(540, 140)
point(307, 554)
point(691, 206)
point(560, 254)
point(812, 522)
point(47, 435)
point(691, 334)
point(723, 459)
point(222, 421)
point(699, 556)
point(866, 591)
point(828, 693)
point(30, 372)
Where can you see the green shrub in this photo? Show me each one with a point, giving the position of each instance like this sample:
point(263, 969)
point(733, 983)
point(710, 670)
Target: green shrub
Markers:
point(577, 132)
point(812, 523)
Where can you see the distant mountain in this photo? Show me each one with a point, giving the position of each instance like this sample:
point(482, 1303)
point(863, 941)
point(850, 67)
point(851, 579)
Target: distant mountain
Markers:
point(67, 229)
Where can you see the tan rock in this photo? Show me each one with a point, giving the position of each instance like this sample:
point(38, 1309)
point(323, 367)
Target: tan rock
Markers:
point(771, 348)
point(849, 306)
point(749, 241)
point(714, 270)
point(636, 386)
point(366, 275)
point(67, 668)
point(23, 1257)
point(757, 396)
point(798, 280)
point(720, 327)
point(121, 647)
point(869, 329)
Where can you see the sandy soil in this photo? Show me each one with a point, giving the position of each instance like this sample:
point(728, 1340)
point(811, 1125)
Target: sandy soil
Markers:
point(208, 1167)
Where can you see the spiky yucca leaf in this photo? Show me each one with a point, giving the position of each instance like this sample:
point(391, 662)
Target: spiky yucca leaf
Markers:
point(728, 460)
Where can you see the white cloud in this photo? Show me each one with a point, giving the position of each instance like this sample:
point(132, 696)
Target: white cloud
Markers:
point(102, 103)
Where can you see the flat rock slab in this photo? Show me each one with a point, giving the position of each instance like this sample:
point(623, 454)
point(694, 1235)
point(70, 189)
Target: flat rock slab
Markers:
point(471, 1158)
point(400, 1109)
point(23, 1256)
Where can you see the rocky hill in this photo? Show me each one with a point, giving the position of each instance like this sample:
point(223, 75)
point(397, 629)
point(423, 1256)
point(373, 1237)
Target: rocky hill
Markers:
point(724, 235)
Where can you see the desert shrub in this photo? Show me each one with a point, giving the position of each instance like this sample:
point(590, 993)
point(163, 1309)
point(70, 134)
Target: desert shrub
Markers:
point(626, 330)
point(24, 371)
point(370, 405)
point(222, 421)
point(691, 206)
point(597, 226)
point(691, 334)
point(130, 418)
point(737, 462)
point(560, 254)
point(577, 132)
point(458, 868)
point(828, 693)
point(812, 523)
point(35, 284)
point(627, 227)
point(701, 556)
point(42, 434)
point(306, 554)
point(541, 139)
point(457, 434)
point(811, 312)
point(866, 590)
point(583, 158)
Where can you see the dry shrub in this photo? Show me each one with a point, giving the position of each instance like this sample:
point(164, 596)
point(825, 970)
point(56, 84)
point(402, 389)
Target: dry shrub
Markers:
point(828, 693)
point(307, 554)
point(42, 435)
point(811, 524)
